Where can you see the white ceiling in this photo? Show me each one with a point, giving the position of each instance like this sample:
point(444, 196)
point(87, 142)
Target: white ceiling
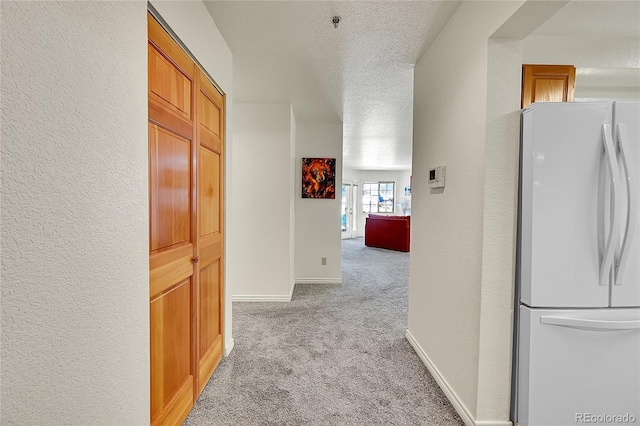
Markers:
point(360, 74)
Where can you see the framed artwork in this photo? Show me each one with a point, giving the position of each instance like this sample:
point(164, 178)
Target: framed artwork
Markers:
point(319, 178)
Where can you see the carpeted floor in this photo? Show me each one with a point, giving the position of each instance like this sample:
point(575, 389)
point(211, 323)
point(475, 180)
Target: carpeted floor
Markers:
point(334, 355)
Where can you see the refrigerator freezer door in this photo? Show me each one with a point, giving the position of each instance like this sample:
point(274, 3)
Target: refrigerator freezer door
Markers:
point(577, 363)
point(564, 205)
point(626, 290)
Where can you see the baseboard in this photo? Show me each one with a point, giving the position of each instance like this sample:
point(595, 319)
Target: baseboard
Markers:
point(261, 298)
point(493, 423)
point(228, 349)
point(458, 405)
point(318, 280)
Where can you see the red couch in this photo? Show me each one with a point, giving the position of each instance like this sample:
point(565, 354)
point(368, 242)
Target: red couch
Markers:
point(389, 232)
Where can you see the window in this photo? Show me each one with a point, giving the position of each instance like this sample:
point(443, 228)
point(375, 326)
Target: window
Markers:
point(377, 197)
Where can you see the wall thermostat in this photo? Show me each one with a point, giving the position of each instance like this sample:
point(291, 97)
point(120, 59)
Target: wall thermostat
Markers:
point(436, 177)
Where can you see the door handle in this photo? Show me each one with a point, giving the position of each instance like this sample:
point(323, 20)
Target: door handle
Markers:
point(607, 259)
point(591, 324)
point(195, 259)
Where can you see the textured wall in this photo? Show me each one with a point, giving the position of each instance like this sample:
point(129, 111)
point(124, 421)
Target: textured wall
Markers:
point(317, 224)
point(450, 113)
point(191, 21)
point(75, 320)
point(262, 185)
point(499, 228)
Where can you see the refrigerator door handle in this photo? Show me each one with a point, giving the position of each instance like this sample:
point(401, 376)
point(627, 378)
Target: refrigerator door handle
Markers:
point(607, 259)
point(632, 204)
point(590, 324)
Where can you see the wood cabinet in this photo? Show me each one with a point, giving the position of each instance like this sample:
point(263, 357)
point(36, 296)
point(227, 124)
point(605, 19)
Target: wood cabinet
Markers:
point(547, 83)
point(186, 222)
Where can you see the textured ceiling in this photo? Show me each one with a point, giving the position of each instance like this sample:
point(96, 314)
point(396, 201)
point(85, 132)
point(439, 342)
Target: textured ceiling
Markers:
point(360, 74)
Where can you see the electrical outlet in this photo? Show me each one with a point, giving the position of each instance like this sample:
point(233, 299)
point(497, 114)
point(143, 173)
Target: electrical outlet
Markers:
point(324, 260)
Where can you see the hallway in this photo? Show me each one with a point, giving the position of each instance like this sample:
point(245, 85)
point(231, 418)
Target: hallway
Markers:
point(336, 354)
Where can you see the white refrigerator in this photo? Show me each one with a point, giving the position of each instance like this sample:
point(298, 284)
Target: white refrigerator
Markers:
point(577, 340)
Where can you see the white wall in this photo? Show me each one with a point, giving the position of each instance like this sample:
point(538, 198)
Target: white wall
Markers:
point(583, 52)
point(499, 228)
point(446, 298)
point(262, 185)
point(402, 179)
point(317, 223)
point(75, 281)
point(191, 21)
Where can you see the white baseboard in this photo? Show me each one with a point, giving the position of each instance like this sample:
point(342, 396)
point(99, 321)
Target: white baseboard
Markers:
point(261, 298)
point(458, 405)
point(229, 348)
point(318, 280)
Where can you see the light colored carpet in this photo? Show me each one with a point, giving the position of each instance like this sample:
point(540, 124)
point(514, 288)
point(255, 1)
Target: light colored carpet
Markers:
point(334, 355)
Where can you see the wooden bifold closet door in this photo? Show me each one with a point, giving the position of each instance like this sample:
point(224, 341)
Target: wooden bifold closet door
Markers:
point(186, 283)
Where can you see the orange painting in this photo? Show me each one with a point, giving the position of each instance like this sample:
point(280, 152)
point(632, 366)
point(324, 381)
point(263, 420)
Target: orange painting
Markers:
point(319, 178)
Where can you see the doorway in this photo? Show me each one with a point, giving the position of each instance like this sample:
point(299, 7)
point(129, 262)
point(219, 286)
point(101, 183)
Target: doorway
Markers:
point(349, 203)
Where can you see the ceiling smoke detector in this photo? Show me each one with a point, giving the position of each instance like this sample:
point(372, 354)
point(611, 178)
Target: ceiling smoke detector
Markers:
point(335, 21)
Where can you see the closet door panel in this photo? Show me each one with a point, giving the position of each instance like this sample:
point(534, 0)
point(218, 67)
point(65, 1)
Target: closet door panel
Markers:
point(171, 372)
point(210, 227)
point(172, 225)
point(169, 189)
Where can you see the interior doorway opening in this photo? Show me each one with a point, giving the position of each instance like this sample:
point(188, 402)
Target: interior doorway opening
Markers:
point(349, 217)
